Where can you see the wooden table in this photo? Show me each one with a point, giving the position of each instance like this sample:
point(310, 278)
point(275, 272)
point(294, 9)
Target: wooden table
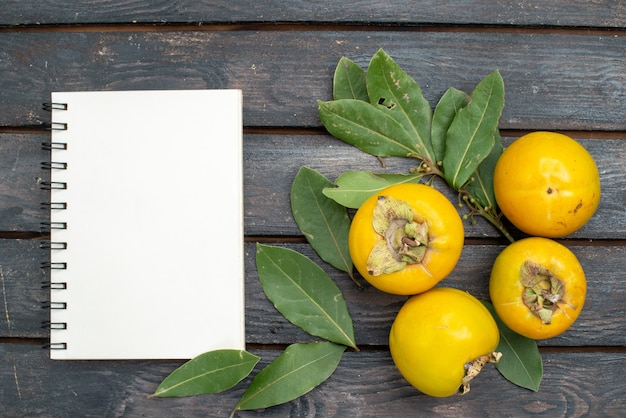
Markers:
point(564, 68)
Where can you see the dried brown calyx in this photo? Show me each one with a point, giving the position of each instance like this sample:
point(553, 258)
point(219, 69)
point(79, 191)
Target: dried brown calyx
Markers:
point(405, 240)
point(543, 291)
point(473, 368)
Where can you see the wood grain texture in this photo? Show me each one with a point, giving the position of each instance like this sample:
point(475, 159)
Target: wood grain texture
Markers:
point(21, 292)
point(20, 180)
point(552, 81)
point(602, 322)
point(563, 67)
point(605, 13)
point(366, 384)
point(270, 164)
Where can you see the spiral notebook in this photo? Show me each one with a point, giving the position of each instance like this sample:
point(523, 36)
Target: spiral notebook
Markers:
point(146, 224)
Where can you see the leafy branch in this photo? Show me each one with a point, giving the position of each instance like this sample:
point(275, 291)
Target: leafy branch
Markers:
point(383, 112)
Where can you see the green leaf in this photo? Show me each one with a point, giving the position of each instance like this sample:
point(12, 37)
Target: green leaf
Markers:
point(304, 294)
point(300, 368)
point(397, 94)
point(471, 135)
point(324, 222)
point(349, 81)
point(521, 361)
point(481, 187)
point(354, 187)
point(366, 127)
point(211, 372)
point(449, 105)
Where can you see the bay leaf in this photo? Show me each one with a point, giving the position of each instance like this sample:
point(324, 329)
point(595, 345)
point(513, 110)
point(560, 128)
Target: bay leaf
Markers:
point(480, 186)
point(448, 106)
point(304, 294)
point(521, 362)
point(349, 81)
point(399, 95)
point(324, 222)
point(366, 127)
point(352, 188)
point(470, 137)
point(295, 372)
point(210, 372)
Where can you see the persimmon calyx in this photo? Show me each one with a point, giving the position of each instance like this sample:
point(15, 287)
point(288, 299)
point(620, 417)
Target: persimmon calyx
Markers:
point(473, 368)
point(405, 240)
point(543, 291)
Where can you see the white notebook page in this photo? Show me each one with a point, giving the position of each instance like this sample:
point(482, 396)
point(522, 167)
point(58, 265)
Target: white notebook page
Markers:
point(154, 224)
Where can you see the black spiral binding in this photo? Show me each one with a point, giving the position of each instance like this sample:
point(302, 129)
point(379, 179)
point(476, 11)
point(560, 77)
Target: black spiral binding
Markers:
point(48, 226)
point(49, 106)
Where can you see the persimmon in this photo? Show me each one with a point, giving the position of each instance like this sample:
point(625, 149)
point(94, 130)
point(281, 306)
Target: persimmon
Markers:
point(547, 184)
point(406, 238)
point(441, 339)
point(537, 287)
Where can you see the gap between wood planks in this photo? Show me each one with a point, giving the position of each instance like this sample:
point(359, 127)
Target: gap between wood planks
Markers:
point(312, 26)
point(364, 348)
point(277, 130)
point(543, 349)
point(576, 242)
point(297, 239)
point(513, 133)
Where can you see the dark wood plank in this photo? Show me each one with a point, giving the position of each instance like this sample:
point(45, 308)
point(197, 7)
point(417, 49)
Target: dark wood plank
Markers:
point(602, 323)
point(20, 179)
point(365, 384)
point(556, 13)
point(553, 81)
point(270, 164)
point(21, 289)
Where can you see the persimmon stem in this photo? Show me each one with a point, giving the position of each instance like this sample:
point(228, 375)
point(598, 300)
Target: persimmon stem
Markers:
point(493, 218)
point(426, 167)
point(497, 222)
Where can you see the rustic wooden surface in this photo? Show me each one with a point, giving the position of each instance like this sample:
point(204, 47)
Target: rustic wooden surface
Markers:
point(564, 69)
